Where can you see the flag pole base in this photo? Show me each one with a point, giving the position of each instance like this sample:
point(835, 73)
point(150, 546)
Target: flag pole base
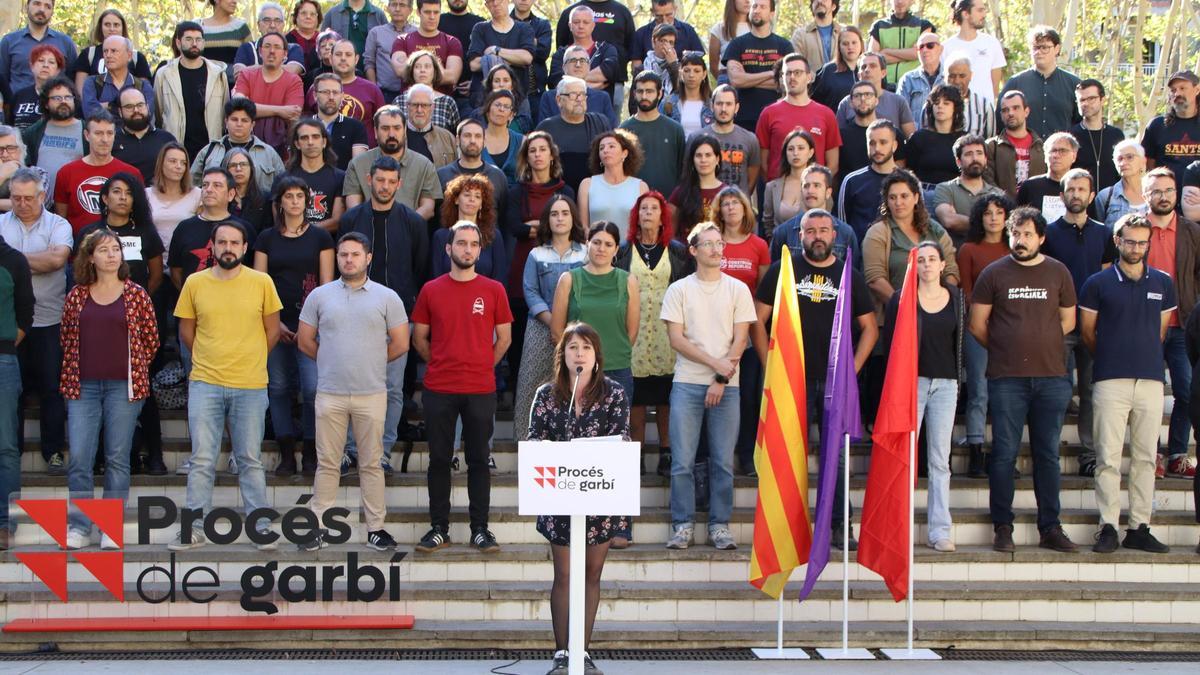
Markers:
point(776, 654)
point(905, 654)
point(849, 654)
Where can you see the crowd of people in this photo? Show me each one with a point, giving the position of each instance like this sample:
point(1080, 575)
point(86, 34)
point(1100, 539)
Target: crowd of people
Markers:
point(311, 222)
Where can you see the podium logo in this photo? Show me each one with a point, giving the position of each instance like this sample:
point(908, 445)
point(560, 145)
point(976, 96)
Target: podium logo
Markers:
point(50, 567)
point(547, 476)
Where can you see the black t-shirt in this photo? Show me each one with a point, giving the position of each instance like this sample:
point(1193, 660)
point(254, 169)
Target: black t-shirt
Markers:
point(326, 186)
point(1033, 192)
point(1174, 146)
point(255, 210)
point(938, 350)
point(757, 55)
point(344, 134)
point(142, 152)
point(193, 82)
point(485, 35)
point(1191, 177)
point(930, 155)
point(139, 245)
point(91, 61)
point(25, 108)
point(614, 25)
point(853, 152)
point(1096, 153)
point(294, 264)
point(817, 291)
point(460, 25)
point(379, 254)
point(416, 142)
point(191, 245)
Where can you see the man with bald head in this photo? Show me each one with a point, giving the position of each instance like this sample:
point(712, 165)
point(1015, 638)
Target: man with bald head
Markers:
point(99, 90)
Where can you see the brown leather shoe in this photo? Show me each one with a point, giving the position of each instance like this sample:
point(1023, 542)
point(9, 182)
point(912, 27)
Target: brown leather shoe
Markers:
point(1056, 540)
point(1003, 541)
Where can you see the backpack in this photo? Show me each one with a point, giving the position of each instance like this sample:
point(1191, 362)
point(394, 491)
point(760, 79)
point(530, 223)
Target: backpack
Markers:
point(98, 84)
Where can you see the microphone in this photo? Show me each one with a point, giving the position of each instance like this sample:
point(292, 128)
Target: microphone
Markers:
point(571, 407)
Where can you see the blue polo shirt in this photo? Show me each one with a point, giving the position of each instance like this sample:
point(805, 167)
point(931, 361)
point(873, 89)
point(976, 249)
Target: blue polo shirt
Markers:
point(1083, 250)
point(1128, 322)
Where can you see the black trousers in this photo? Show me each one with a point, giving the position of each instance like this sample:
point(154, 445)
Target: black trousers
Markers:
point(478, 413)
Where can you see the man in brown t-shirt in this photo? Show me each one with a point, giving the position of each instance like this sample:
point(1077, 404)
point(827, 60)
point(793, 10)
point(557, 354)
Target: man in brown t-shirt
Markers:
point(1021, 308)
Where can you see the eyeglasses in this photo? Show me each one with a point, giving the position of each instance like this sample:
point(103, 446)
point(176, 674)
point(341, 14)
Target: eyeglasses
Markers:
point(132, 107)
point(864, 94)
point(929, 45)
point(422, 106)
point(574, 95)
point(5, 149)
point(1043, 47)
point(502, 107)
point(576, 59)
point(1157, 194)
point(717, 245)
point(1134, 243)
point(64, 98)
point(237, 165)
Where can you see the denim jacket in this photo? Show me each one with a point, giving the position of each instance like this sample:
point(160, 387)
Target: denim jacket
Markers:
point(914, 87)
point(543, 267)
point(1111, 204)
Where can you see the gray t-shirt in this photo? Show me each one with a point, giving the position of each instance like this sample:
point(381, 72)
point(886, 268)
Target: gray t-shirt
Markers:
point(49, 288)
point(60, 146)
point(891, 107)
point(739, 153)
point(352, 326)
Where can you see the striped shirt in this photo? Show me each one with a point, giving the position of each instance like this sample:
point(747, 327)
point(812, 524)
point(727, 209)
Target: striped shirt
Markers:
point(979, 117)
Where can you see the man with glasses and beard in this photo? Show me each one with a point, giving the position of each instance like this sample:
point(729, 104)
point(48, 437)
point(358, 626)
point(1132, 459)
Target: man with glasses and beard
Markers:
point(138, 142)
point(1021, 308)
point(229, 320)
point(190, 91)
point(347, 136)
point(57, 139)
point(953, 199)
point(818, 274)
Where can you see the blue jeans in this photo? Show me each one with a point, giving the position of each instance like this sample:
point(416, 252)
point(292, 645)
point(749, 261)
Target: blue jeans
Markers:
point(1079, 361)
point(40, 354)
point(977, 389)
point(395, 410)
point(1042, 402)
point(287, 368)
point(936, 400)
point(10, 433)
point(688, 416)
point(623, 377)
point(101, 403)
point(211, 408)
point(1180, 367)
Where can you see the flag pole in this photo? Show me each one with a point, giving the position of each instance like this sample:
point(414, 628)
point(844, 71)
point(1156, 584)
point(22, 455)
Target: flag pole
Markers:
point(779, 630)
point(912, 524)
point(846, 546)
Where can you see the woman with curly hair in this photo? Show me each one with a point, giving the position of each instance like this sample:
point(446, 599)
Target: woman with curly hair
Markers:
point(610, 193)
point(470, 197)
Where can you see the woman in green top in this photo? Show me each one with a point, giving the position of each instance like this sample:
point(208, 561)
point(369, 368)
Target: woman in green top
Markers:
point(607, 299)
point(224, 31)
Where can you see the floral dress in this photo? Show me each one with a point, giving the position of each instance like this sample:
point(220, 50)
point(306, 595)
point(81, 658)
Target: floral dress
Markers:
point(548, 422)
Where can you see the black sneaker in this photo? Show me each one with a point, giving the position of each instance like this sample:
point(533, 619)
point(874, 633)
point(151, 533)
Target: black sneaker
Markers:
point(590, 668)
point(55, 465)
point(561, 663)
point(454, 463)
point(491, 462)
point(380, 540)
point(315, 544)
point(1087, 467)
point(1106, 540)
point(837, 536)
point(484, 541)
point(435, 539)
point(1142, 540)
point(155, 467)
point(664, 463)
point(387, 469)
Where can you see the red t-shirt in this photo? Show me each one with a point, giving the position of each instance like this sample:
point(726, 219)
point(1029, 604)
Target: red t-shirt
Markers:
point(462, 317)
point(1022, 146)
point(780, 118)
point(361, 98)
point(443, 46)
point(287, 89)
point(742, 260)
point(78, 186)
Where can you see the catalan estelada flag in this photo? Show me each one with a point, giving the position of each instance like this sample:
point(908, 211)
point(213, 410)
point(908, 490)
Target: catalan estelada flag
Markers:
point(782, 530)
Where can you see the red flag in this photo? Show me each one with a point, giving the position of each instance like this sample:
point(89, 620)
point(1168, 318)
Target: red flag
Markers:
point(885, 539)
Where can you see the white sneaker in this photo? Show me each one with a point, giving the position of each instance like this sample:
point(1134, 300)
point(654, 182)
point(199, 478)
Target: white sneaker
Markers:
point(233, 467)
point(77, 539)
point(184, 468)
point(681, 538)
point(107, 544)
point(721, 538)
point(198, 540)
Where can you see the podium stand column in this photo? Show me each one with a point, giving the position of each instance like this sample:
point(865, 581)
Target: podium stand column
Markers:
point(575, 620)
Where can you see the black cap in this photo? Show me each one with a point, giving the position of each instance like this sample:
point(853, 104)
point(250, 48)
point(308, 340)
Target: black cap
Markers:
point(1188, 75)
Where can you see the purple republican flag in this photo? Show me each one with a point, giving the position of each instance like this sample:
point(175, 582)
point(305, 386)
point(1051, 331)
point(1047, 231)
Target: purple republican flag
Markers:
point(841, 417)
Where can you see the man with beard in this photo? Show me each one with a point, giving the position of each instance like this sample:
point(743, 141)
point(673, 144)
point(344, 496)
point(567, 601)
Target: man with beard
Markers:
point(1173, 139)
point(239, 126)
point(98, 90)
point(138, 142)
point(347, 136)
point(15, 47)
point(859, 197)
point(953, 199)
point(400, 261)
point(1123, 319)
point(277, 93)
point(458, 23)
point(662, 138)
point(573, 129)
point(421, 134)
point(816, 190)
point(1021, 307)
point(1016, 153)
point(418, 188)
point(818, 274)
point(470, 161)
point(229, 321)
point(864, 98)
point(890, 106)
point(984, 51)
point(817, 41)
point(360, 96)
point(77, 186)
point(750, 61)
point(1097, 140)
point(190, 91)
point(1171, 232)
point(57, 139)
point(1086, 247)
point(797, 110)
point(311, 159)
point(740, 154)
point(1044, 192)
point(363, 329)
point(463, 327)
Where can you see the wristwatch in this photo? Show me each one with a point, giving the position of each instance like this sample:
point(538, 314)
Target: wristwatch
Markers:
point(720, 379)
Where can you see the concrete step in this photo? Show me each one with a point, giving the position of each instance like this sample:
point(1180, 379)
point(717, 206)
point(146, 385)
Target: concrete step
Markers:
point(972, 527)
point(410, 490)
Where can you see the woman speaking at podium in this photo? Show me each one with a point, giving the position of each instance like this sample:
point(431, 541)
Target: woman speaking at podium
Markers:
point(580, 402)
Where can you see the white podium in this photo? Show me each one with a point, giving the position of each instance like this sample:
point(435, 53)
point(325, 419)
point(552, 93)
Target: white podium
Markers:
point(578, 478)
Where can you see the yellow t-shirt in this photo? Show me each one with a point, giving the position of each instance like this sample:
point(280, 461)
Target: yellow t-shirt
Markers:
point(230, 349)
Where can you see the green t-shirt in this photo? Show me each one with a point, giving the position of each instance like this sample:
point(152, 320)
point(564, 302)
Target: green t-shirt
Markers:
point(601, 301)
